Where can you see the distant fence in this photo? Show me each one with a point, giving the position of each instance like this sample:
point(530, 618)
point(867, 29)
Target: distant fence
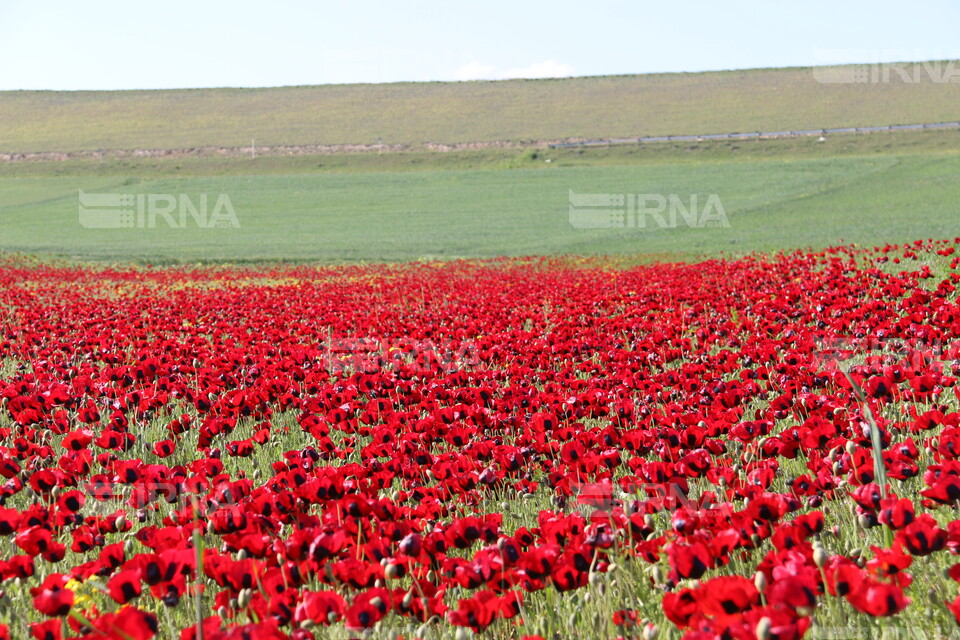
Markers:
point(756, 135)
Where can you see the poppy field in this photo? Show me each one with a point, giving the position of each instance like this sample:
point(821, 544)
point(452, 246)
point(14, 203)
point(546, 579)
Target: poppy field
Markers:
point(765, 447)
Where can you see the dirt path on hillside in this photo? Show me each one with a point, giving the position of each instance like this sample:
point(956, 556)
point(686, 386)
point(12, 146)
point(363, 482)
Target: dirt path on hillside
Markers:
point(331, 149)
point(280, 150)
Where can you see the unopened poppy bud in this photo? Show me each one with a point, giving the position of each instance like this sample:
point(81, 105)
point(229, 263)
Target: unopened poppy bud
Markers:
point(391, 571)
point(760, 581)
point(650, 632)
point(649, 522)
point(377, 602)
point(851, 447)
point(463, 633)
point(408, 599)
point(657, 575)
point(222, 611)
point(309, 624)
point(242, 554)
point(763, 629)
point(819, 555)
point(120, 523)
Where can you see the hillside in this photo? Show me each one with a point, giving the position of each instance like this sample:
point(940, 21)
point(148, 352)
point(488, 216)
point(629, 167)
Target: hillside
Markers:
point(458, 112)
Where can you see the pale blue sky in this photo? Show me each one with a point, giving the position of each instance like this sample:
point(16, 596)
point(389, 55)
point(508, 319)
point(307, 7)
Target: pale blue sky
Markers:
point(125, 44)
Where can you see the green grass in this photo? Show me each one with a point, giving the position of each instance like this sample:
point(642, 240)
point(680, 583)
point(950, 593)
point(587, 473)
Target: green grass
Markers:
point(772, 203)
point(418, 113)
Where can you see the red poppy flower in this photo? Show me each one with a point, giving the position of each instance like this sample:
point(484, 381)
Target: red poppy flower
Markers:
point(52, 598)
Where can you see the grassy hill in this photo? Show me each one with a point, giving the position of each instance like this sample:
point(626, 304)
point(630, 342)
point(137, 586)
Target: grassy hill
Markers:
point(485, 201)
point(463, 112)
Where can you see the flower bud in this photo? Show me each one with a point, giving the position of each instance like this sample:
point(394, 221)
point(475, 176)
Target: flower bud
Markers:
point(819, 555)
point(760, 581)
point(763, 629)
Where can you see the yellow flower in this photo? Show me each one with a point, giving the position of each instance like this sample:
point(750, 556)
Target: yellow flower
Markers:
point(79, 597)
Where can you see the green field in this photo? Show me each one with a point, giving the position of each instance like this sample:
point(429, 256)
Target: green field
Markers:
point(466, 112)
point(484, 201)
point(771, 203)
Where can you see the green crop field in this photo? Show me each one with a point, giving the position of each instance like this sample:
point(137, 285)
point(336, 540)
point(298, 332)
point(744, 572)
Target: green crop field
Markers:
point(483, 201)
point(770, 203)
point(467, 112)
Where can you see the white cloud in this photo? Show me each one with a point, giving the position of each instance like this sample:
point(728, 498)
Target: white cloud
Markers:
point(545, 69)
point(475, 71)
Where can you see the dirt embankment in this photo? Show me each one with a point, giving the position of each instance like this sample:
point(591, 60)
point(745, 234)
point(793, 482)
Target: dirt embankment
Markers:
point(281, 150)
